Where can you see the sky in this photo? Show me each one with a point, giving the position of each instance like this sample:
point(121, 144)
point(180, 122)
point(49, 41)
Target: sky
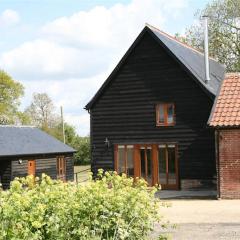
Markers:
point(67, 48)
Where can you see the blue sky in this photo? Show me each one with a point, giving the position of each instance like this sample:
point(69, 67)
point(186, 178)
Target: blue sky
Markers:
point(67, 48)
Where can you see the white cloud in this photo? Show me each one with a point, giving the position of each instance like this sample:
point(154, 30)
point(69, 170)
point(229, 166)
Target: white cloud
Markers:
point(72, 55)
point(41, 58)
point(9, 18)
point(112, 27)
point(72, 94)
point(80, 121)
point(85, 43)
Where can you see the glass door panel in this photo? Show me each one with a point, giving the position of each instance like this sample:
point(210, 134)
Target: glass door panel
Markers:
point(149, 165)
point(124, 159)
point(143, 165)
point(130, 165)
point(146, 163)
point(162, 167)
point(171, 165)
point(167, 171)
point(121, 159)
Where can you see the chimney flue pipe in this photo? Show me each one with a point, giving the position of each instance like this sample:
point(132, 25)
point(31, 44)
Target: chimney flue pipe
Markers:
point(206, 54)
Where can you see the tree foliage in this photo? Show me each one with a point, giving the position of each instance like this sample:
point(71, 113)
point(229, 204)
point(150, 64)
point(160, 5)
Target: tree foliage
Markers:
point(82, 157)
point(224, 32)
point(10, 93)
point(113, 207)
point(42, 112)
point(81, 144)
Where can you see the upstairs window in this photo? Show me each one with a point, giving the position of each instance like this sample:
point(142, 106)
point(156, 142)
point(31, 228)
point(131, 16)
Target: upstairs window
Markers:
point(165, 114)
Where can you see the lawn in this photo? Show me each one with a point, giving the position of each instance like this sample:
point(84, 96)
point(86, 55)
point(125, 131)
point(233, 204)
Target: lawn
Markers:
point(82, 173)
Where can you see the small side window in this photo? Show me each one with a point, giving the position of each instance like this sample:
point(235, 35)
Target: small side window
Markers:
point(165, 114)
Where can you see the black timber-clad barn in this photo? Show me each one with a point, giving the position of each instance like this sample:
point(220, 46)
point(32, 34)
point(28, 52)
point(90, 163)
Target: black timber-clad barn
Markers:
point(149, 118)
point(28, 150)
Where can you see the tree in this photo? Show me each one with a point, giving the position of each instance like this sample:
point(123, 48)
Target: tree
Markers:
point(10, 93)
point(224, 32)
point(70, 133)
point(81, 144)
point(42, 112)
point(82, 157)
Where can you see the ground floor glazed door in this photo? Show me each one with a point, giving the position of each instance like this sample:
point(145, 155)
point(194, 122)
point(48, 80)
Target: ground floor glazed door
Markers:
point(145, 162)
point(156, 163)
point(167, 166)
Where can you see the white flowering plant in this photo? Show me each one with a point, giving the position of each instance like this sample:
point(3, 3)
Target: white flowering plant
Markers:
point(109, 207)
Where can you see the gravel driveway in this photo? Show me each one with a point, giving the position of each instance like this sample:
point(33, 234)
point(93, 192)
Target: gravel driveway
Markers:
point(203, 219)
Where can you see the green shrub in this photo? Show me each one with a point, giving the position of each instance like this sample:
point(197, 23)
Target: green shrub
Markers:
point(113, 207)
point(82, 145)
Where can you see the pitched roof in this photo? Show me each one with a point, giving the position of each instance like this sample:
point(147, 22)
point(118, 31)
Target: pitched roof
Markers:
point(26, 140)
point(226, 109)
point(190, 58)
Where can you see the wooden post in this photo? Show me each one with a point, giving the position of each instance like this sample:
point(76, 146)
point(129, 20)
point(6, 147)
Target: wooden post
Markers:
point(155, 164)
point(136, 161)
point(63, 126)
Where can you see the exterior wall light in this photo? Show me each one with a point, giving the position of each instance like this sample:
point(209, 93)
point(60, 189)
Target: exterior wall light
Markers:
point(107, 143)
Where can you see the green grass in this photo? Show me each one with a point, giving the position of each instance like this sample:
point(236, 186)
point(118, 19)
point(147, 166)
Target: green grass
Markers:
point(82, 176)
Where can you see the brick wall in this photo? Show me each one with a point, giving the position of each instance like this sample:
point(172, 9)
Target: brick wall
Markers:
point(229, 164)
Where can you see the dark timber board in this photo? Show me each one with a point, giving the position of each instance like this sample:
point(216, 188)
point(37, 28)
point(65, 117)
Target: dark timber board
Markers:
point(47, 165)
point(5, 173)
point(10, 167)
point(125, 112)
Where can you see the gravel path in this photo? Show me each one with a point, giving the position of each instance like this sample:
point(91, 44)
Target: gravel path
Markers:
point(203, 219)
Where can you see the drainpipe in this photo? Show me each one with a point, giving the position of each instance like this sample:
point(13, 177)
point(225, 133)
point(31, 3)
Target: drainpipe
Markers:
point(206, 54)
point(217, 162)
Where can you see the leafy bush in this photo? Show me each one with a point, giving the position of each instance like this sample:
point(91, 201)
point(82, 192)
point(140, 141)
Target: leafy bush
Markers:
point(112, 207)
point(82, 156)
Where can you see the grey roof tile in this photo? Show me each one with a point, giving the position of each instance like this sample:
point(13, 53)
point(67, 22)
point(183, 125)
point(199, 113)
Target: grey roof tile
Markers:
point(26, 140)
point(193, 60)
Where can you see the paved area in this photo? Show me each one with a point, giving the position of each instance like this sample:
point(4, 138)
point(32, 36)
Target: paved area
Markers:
point(202, 219)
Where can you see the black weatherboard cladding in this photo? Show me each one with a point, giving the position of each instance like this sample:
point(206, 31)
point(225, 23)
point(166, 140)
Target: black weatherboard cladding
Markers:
point(125, 111)
point(47, 165)
point(5, 173)
point(11, 168)
point(29, 143)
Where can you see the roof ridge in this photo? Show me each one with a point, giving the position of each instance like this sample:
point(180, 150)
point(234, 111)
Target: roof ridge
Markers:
point(226, 103)
point(233, 75)
point(177, 40)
